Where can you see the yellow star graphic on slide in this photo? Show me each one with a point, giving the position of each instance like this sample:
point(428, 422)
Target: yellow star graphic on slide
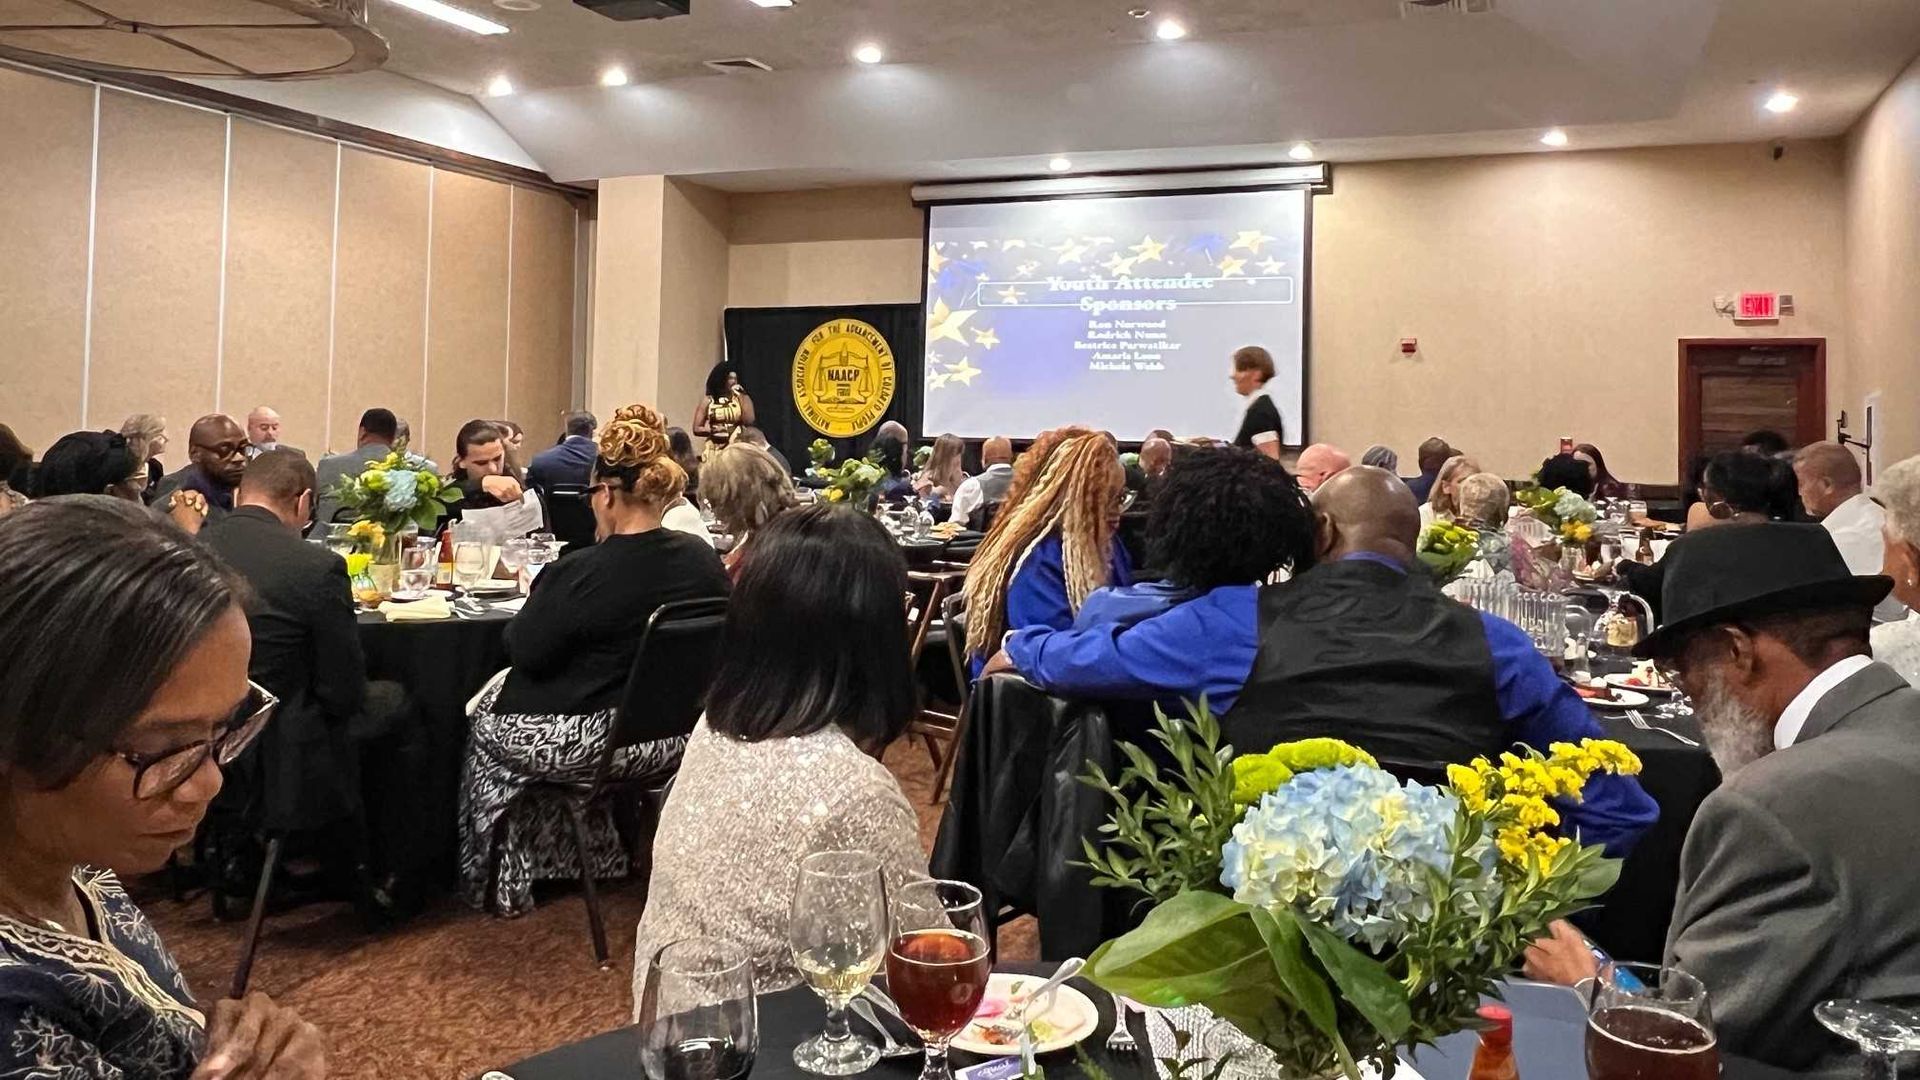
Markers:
point(945, 323)
point(1072, 253)
point(935, 261)
point(1025, 269)
point(1009, 245)
point(1250, 239)
point(1270, 266)
point(962, 372)
point(1011, 295)
point(1232, 267)
point(1120, 267)
point(986, 339)
point(937, 380)
point(1148, 250)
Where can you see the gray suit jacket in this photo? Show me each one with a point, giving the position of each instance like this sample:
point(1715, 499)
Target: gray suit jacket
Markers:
point(1800, 877)
point(335, 467)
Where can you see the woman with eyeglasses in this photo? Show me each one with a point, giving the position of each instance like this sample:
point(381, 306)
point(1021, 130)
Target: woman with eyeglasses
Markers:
point(126, 691)
point(572, 647)
point(109, 463)
point(1738, 487)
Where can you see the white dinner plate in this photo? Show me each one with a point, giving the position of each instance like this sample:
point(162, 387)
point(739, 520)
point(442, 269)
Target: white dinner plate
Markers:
point(1071, 1018)
point(1619, 682)
point(496, 587)
point(1621, 699)
point(404, 596)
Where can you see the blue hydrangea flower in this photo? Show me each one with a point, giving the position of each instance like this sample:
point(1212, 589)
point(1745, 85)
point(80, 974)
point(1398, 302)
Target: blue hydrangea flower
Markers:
point(400, 490)
point(1571, 507)
point(1350, 847)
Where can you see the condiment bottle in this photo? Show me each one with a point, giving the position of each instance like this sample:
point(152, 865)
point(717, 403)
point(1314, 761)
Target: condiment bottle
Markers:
point(1493, 1058)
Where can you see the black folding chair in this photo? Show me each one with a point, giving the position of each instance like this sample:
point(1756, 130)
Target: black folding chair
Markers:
point(666, 690)
point(953, 617)
point(568, 515)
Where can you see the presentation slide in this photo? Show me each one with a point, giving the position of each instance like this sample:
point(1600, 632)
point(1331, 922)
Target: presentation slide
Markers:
point(1120, 313)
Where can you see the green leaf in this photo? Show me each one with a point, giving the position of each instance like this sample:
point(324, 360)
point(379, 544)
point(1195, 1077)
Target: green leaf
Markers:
point(1287, 949)
point(1596, 878)
point(1191, 949)
point(1363, 981)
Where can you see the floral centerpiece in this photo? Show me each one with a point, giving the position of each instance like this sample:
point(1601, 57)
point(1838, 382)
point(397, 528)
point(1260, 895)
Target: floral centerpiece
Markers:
point(387, 497)
point(1566, 513)
point(853, 481)
point(1328, 911)
point(1445, 548)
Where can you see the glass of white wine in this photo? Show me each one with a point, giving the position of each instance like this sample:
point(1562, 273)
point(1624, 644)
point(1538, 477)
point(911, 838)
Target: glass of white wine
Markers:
point(469, 566)
point(837, 928)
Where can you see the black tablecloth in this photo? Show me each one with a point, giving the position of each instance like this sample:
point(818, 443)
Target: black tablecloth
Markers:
point(1549, 1026)
point(1016, 816)
point(442, 664)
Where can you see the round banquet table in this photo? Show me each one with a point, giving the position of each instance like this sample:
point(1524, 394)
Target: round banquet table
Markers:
point(1549, 1026)
point(442, 664)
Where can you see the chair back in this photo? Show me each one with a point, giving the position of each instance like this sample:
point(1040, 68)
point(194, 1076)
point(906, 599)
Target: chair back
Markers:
point(667, 686)
point(953, 613)
point(928, 591)
point(983, 516)
point(568, 514)
point(959, 550)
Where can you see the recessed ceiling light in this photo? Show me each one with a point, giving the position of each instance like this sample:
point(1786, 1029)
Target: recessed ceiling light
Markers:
point(517, 5)
point(1301, 151)
point(774, 3)
point(1060, 164)
point(614, 76)
point(1781, 102)
point(499, 86)
point(447, 13)
point(869, 54)
point(1556, 137)
point(1170, 30)
point(1139, 13)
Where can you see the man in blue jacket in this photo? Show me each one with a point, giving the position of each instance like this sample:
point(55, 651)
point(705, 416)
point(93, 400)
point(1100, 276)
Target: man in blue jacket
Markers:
point(570, 462)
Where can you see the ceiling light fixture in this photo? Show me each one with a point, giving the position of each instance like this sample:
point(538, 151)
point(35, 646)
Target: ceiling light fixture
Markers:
point(869, 54)
point(1781, 102)
point(1170, 30)
point(774, 3)
point(614, 76)
point(1060, 164)
point(447, 13)
point(499, 86)
point(1301, 151)
point(1555, 137)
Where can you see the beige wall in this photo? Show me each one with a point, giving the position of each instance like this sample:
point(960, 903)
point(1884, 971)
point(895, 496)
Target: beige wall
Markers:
point(1883, 269)
point(235, 264)
point(693, 293)
point(1548, 291)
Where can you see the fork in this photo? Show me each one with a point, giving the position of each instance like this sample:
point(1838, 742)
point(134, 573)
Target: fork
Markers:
point(1122, 1040)
point(1639, 721)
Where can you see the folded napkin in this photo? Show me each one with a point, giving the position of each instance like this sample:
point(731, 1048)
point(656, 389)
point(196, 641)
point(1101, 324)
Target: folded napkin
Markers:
point(513, 605)
point(432, 608)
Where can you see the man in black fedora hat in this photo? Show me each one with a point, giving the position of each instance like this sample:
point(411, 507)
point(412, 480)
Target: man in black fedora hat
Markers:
point(1797, 880)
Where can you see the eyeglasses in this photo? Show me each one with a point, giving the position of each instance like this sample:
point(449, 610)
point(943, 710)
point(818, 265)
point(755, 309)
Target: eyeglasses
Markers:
point(158, 775)
point(225, 449)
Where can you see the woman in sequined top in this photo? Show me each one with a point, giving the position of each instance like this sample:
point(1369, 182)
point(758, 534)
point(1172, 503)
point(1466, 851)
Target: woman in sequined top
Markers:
point(813, 685)
point(126, 691)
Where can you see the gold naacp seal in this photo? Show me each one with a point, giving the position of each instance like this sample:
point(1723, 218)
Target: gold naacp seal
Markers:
point(843, 377)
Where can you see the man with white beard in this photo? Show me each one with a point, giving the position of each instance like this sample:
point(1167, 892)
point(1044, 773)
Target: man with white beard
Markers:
point(1797, 880)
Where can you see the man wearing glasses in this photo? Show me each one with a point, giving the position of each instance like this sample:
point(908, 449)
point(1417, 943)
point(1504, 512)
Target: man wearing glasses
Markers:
point(1796, 881)
point(217, 447)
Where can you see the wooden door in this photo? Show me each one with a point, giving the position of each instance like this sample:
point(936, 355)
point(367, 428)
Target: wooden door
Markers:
point(1731, 386)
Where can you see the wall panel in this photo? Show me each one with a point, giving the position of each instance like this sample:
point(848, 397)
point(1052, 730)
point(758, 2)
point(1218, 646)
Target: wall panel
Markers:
point(540, 364)
point(156, 278)
point(467, 309)
point(279, 279)
point(46, 128)
point(380, 292)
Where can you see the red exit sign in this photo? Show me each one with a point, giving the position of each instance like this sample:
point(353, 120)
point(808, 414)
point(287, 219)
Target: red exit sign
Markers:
point(1759, 305)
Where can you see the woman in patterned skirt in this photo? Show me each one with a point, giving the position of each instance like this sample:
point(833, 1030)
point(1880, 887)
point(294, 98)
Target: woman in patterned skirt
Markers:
point(126, 691)
point(572, 647)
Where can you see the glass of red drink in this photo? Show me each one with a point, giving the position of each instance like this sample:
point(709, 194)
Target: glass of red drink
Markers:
point(938, 961)
point(1646, 1022)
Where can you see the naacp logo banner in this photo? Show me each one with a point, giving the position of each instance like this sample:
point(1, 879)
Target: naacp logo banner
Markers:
point(843, 378)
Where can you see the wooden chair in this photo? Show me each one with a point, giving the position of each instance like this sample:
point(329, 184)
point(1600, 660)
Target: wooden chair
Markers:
point(666, 690)
point(931, 591)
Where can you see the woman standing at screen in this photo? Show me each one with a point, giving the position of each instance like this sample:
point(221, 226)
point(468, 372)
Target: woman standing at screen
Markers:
point(724, 411)
point(1260, 429)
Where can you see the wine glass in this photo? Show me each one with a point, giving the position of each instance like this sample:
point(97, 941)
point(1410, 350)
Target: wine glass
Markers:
point(416, 568)
point(469, 566)
point(1647, 1020)
point(698, 1019)
point(1883, 1032)
point(937, 963)
point(837, 927)
point(513, 555)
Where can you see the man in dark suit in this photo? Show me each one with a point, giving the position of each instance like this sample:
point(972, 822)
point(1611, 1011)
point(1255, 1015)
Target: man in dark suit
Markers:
point(218, 450)
point(302, 774)
point(571, 462)
point(378, 430)
point(1796, 881)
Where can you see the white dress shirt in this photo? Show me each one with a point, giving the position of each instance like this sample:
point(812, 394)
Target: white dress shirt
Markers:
point(968, 497)
point(1855, 528)
point(1787, 729)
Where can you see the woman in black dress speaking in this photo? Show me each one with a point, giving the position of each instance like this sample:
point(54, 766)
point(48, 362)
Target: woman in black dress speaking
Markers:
point(1260, 429)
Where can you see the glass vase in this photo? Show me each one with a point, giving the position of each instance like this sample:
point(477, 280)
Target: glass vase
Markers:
point(385, 568)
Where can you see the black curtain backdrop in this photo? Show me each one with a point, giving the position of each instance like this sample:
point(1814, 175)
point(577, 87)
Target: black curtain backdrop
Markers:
point(760, 346)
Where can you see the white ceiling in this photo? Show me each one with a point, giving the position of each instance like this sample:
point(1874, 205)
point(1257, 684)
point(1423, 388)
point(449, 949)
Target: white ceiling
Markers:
point(975, 88)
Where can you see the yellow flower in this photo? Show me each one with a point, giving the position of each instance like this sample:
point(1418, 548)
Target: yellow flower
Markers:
point(357, 563)
point(1471, 786)
point(836, 495)
point(1514, 843)
point(1256, 774)
point(1530, 812)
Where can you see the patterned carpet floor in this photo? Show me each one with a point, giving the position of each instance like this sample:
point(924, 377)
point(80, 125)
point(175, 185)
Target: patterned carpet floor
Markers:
point(456, 992)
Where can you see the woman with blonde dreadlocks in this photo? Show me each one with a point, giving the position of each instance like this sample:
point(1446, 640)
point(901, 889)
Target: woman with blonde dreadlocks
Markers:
point(1052, 548)
point(572, 647)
